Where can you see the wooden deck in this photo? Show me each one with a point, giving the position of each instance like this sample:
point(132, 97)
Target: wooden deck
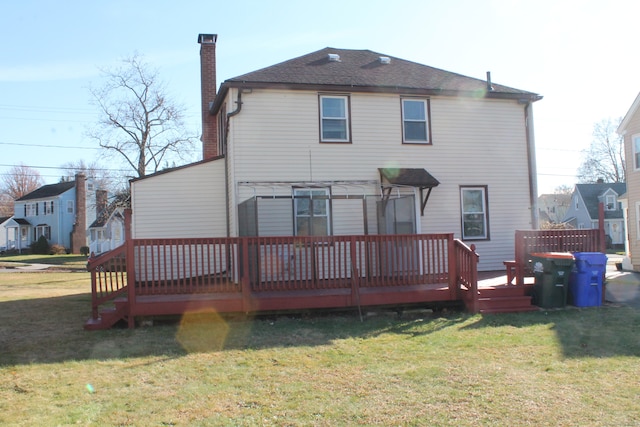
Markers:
point(251, 274)
point(148, 277)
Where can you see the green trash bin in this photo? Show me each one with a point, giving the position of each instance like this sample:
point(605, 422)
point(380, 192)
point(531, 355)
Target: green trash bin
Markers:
point(552, 271)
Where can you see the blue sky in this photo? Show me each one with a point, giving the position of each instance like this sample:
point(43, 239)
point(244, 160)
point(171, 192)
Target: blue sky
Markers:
point(578, 54)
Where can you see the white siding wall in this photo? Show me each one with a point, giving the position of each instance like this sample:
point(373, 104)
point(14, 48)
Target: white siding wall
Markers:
point(475, 142)
point(187, 202)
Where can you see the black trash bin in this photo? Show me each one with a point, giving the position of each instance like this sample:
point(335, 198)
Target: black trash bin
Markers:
point(585, 284)
point(552, 271)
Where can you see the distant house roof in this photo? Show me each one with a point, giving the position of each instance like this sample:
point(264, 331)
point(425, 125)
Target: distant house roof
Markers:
point(591, 192)
point(4, 219)
point(367, 71)
point(50, 190)
point(119, 201)
point(21, 221)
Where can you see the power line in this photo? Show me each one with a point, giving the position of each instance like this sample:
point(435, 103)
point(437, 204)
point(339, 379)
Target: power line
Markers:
point(67, 168)
point(50, 146)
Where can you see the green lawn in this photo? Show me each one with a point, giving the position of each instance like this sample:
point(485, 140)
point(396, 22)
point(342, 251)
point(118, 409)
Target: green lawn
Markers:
point(74, 262)
point(562, 367)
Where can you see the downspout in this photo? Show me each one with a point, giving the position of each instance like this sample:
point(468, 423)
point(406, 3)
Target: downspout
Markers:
point(531, 163)
point(226, 158)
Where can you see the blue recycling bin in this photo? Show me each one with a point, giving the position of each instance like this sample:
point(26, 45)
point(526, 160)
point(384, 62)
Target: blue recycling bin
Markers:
point(585, 283)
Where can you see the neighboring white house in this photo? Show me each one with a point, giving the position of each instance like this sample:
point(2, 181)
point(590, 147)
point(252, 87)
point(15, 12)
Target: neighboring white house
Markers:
point(4, 235)
point(583, 210)
point(107, 232)
point(345, 142)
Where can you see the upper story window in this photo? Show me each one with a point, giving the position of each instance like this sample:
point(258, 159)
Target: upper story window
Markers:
point(70, 206)
point(610, 202)
point(475, 218)
point(311, 209)
point(47, 207)
point(415, 121)
point(30, 209)
point(636, 152)
point(334, 118)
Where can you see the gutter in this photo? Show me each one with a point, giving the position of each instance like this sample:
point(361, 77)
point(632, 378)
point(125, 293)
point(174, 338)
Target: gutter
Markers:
point(531, 163)
point(226, 154)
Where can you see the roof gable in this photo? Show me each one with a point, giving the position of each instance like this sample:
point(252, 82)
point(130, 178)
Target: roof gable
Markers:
point(50, 190)
point(591, 193)
point(629, 116)
point(364, 70)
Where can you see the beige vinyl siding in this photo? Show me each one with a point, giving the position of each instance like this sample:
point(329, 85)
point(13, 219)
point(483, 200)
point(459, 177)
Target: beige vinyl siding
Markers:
point(187, 202)
point(633, 191)
point(475, 142)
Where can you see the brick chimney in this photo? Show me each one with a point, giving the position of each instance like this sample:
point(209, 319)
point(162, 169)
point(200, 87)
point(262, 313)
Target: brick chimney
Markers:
point(208, 92)
point(101, 202)
point(79, 231)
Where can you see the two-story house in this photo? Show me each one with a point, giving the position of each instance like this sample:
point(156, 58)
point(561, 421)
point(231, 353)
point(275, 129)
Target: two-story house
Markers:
point(584, 208)
point(629, 129)
point(339, 142)
point(59, 212)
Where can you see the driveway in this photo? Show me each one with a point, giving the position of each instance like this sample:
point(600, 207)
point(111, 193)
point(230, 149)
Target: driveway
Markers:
point(623, 287)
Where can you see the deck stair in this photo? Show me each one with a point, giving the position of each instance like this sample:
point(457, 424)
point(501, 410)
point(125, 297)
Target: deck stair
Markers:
point(505, 299)
point(108, 316)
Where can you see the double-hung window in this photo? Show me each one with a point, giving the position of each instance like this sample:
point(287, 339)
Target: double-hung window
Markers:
point(610, 202)
point(475, 218)
point(311, 208)
point(636, 152)
point(43, 230)
point(334, 118)
point(415, 121)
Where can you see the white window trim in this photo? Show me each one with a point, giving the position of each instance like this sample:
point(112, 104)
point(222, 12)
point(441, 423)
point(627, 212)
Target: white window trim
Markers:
point(484, 212)
point(612, 203)
point(634, 152)
point(427, 140)
point(637, 222)
point(345, 98)
point(70, 207)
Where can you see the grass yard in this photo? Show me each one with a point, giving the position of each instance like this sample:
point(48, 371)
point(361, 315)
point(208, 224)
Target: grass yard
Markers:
point(563, 367)
point(73, 262)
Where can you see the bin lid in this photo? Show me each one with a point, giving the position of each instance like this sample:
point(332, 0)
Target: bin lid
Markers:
point(555, 255)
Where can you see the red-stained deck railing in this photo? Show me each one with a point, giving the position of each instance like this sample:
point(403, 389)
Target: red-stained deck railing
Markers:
point(540, 241)
point(108, 277)
point(256, 273)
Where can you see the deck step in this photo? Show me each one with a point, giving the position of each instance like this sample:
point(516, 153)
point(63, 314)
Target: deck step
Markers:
point(504, 299)
point(107, 317)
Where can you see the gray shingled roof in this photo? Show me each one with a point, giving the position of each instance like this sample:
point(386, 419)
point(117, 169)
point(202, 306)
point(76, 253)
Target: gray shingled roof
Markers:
point(591, 192)
point(362, 70)
point(48, 191)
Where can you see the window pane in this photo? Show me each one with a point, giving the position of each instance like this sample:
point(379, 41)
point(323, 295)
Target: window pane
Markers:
point(334, 129)
point(319, 207)
point(415, 131)
point(319, 226)
point(414, 110)
point(302, 206)
point(333, 107)
point(472, 201)
point(302, 226)
point(474, 225)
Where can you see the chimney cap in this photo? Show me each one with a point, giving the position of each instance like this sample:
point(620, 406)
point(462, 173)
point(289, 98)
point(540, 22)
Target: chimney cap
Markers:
point(207, 38)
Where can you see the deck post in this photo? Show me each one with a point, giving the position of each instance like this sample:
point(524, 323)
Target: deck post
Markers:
point(130, 266)
point(245, 281)
point(355, 274)
point(454, 287)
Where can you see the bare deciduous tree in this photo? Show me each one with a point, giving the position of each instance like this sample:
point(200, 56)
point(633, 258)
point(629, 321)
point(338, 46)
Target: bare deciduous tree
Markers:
point(17, 182)
point(139, 121)
point(605, 157)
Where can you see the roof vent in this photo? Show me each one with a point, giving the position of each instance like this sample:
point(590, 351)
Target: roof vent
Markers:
point(334, 57)
point(384, 60)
